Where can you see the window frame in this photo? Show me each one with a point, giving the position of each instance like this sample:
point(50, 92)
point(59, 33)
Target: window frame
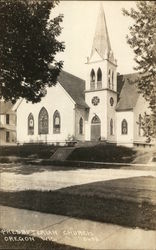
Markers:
point(43, 130)
point(56, 130)
point(124, 125)
point(81, 122)
point(30, 128)
point(7, 119)
point(111, 127)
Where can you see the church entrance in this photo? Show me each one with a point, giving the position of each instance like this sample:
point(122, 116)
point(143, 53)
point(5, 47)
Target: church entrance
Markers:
point(95, 128)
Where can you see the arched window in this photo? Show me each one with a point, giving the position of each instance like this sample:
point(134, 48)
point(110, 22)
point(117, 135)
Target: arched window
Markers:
point(95, 120)
point(112, 80)
point(92, 79)
point(81, 126)
point(99, 79)
point(124, 127)
point(43, 121)
point(109, 79)
point(111, 127)
point(56, 122)
point(30, 124)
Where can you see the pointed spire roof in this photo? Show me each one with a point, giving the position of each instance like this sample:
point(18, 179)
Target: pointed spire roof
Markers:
point(101, 42)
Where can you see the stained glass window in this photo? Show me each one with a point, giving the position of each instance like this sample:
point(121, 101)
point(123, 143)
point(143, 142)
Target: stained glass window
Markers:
point(30, 124)
point(43, 121)
point(56, 122)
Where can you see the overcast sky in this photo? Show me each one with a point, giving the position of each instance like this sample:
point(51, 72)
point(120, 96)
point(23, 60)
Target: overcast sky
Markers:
point(78, 30)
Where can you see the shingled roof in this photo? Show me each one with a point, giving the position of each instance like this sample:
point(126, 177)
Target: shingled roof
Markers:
point(127, 92)
point(74, 86)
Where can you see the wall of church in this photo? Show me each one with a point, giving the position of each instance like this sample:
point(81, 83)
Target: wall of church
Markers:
point(111, 116)
point(56, 99)
point(100, 110)
point(140, 108)
point(80, 113)
point(125, 139)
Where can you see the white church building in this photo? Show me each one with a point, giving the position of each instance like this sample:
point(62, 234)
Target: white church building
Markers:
point(105, 106)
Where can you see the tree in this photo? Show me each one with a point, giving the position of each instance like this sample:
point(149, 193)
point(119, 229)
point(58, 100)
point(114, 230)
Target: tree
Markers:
point(28, 46)
point(142, 40)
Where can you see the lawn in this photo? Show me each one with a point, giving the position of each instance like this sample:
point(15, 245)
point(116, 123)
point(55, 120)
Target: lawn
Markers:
point(42, 151)
point(23, 242)
point(103, 153)
point(98, 153)
point(129, 202)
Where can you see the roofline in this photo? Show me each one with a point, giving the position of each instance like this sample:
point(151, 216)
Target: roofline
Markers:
point(66, 92)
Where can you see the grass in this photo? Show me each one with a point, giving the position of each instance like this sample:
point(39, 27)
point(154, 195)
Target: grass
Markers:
point(33, 243)
point(103, 153)
point(129, 202)
point(42, 151)
point(29, 153)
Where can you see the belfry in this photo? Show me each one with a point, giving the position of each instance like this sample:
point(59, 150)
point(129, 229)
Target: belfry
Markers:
point(100, 93)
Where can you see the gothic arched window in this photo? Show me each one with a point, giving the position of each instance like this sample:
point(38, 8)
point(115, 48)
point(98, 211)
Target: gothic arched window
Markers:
point(43, 121)
point(95, 120)
point(111, 127)
point(92, 79)
point(81, 126)
point(124, 127)
point(56, 122)
point(30, 124)
point(99, 79)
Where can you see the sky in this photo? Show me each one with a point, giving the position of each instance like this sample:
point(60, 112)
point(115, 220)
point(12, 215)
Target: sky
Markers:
point(79, 24)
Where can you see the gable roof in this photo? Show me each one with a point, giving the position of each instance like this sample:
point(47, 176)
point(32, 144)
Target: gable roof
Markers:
point(128, 92)
point(74, 86)
point(5, 107)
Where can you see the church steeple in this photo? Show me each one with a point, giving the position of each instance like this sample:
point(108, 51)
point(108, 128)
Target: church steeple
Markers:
point(101, 42)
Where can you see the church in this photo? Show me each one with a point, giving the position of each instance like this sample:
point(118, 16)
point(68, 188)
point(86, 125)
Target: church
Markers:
point(105, 106)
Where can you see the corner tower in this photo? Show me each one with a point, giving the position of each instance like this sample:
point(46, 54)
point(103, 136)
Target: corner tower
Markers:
point(101, 85)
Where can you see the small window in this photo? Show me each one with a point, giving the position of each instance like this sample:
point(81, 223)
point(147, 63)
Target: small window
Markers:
point(92, 80)
point(81, 126)
point(30, 124)
point(7, 119)
point(124, 127)
point(109, 78)
point(111, 101)
point(112, 80)
point(7, 136)
point(43, 121)
point(56, 122)
point(99, 75)
point(111, 127)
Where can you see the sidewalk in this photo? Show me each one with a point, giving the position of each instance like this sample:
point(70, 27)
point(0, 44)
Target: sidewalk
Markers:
point(76, 232)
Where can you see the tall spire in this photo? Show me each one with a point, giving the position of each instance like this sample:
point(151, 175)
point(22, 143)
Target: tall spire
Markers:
point(101, 42)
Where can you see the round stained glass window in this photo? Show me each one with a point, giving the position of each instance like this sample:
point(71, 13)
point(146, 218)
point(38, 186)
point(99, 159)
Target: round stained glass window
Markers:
point(95, 100)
